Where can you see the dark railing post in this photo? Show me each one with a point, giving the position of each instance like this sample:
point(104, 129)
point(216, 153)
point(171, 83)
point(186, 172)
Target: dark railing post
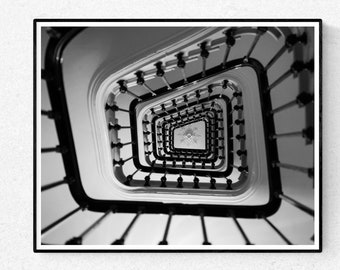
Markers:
point(308, 171)
point(51, 114)
point(123, 89)
point(161, 73)
point(121, 240)
point(60, 220)
point(205, 236)
point(230, 42)
point(141, 81)
point(164, 240)
point(120, 145)
point(307, 133)
point(79, 239)
point(241, 230)
point(181, 65)
point(129, 178)
point(66, 180)
point(121, 162)
point(260, 32)
point(301, 100)
point(278, 231)
point(294, 70)
point(291, 40)
point(295, 203)
point(58, 149)
point(204, 55)
point(115, 108)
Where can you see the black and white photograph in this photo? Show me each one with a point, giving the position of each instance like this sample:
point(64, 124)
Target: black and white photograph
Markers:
point(173, 135)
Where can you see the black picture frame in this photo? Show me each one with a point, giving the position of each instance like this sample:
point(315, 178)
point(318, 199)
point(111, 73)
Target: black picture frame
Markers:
point(70, 160)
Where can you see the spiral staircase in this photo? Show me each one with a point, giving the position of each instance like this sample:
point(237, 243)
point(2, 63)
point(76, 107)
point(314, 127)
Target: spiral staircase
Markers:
point(177, 137)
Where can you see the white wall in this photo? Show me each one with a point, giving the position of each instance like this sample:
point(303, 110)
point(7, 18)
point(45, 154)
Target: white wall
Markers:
point(16, 75)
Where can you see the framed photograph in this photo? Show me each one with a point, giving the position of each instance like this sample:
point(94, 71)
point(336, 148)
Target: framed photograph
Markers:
point(177, 135)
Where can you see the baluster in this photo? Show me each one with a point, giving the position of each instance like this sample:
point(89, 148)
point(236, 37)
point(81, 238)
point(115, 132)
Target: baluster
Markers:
point(163, 180)
point(180, 181)
point(212, 183)
point(51, 114)
point(121, 162)
point(236, 94)
point(222, 157)
point(196, 182)
point(181, 65)
point(291, 41)
point(198, 95)
point(148, 153)
point(241, 153)
point(205, 236)
point(60, 220)
point(141, 82)
point(229, 183)
point(278, 231)
point(160, 73)
point(308, 171)
point(212, 105)
point(230, 42)
point(129, 178)
point(117, 126)
point(164, 241)
point(231, 100)
point(238, 122)
point(301, 100)
point(115, 108)
point(224, 84)
point(147, 178)
point(204, 55)
point(145, 122)
point(241, 230)
point(58, 149)
point(185, 99)
point(193, 164)
point(146, 132)
point(120, 145)
point(174, 104)
point(236, 108)
point(210, 90)
point(240, 168)
point(173, 162)
point(240, 137)
point(79, 239)
point(294, 70)
point(121, 240)
point(147, 144)
point(124, 90)
point(152, 110)
point(307, 133)
point(164, 109)
point(66, 180)
point(295, 203)
point(260, 32)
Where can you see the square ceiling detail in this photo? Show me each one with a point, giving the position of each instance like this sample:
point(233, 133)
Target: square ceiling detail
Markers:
point(191, 136)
